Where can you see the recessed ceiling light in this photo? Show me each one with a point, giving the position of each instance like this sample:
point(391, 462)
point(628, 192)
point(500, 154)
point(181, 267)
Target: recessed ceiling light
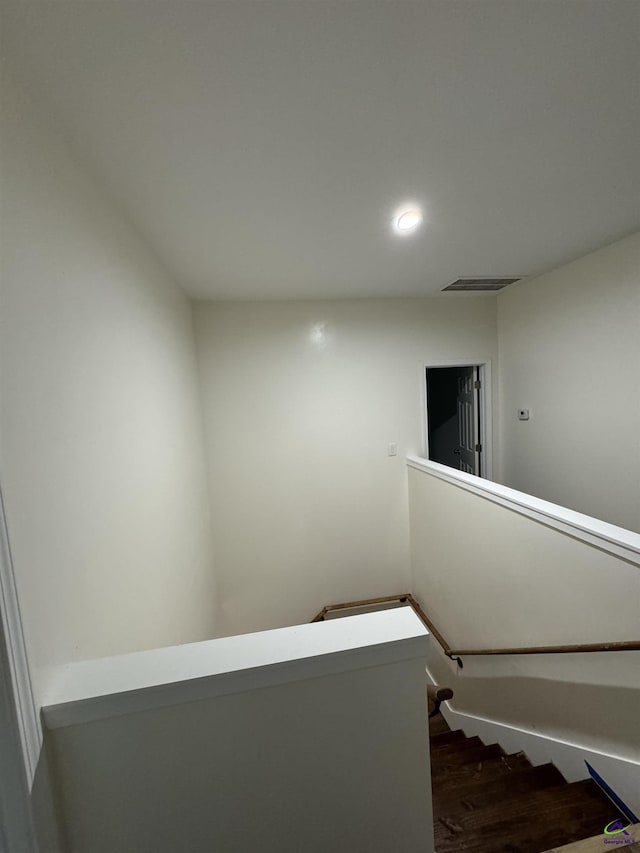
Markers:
point(407, 219)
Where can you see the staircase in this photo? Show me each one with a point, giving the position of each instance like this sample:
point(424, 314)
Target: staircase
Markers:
point(489, 802)
point(485, 801)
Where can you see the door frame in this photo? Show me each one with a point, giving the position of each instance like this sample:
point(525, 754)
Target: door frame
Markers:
point(20, 733)
point(485, 399)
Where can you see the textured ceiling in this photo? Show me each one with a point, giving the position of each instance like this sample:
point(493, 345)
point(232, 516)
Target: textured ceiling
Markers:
point(261, 147)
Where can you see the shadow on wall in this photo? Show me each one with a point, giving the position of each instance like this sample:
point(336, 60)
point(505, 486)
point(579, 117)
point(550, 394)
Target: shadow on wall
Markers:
point(45, 807)
point(547, 701)
point(597, 716)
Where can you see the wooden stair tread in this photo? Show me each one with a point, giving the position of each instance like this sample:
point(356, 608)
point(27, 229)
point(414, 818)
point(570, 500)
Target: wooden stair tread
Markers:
point(597, 844)
point(480, 772)
point(447, 737)
point(529, 824)
point(485, 801)
point(529, 779)
point(442, 761)
point(459, 745)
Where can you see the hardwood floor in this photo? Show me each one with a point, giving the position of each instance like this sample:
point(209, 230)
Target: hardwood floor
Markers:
point(488, 802)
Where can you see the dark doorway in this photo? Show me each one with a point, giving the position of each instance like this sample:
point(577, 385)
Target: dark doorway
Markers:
point(453, 417)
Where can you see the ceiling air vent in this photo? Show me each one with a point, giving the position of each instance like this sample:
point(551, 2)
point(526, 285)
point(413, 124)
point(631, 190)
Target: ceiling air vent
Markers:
point(475, 284)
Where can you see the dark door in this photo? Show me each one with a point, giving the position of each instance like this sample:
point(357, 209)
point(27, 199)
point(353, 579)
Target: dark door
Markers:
point(453, 417)
point(468, 450)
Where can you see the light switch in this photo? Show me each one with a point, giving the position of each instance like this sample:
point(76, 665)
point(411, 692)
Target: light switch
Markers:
point(523, 414)
point(392, 449)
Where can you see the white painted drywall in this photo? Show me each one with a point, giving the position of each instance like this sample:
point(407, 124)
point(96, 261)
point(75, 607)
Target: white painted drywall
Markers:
point(493, 577)
point(328, 751)
point(301, 400)
point(94, 689)
point(497, 578)
point(264, 144)
point(100, 427)
point(570, 352)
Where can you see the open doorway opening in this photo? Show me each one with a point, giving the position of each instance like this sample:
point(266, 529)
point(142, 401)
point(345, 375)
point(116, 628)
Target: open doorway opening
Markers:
point(456, 417)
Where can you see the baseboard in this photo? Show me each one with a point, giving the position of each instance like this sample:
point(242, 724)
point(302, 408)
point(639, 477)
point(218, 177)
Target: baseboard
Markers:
point(622, 774)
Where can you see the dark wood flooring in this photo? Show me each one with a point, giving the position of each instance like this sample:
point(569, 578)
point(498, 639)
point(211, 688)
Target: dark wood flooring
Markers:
point(489, 802)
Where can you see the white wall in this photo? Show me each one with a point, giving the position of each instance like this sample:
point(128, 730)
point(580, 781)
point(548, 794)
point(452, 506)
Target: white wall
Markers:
point(570, 352)
point(100, 427)
point(301, 400)
point(492, 577)
point(324, 744)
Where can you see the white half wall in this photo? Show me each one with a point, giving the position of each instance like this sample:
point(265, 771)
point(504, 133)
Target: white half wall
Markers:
point(491, 576)
point(570, 353)
point(311, 738)
point(301, 400)
point(100, 428)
